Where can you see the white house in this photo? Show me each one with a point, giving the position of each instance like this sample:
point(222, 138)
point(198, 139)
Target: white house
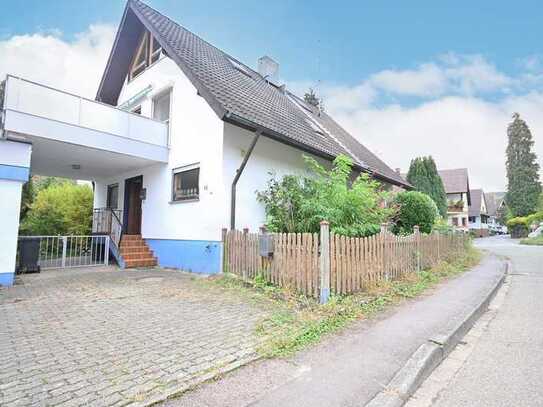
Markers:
point(496, 208)
point(478, 214)
point(178, 140)
point(456, 184)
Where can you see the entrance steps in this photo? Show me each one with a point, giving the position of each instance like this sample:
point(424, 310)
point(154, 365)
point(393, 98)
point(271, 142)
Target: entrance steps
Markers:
point(136, 253)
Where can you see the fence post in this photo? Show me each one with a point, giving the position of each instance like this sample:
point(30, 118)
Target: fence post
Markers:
point(384, 233)
point(64, 244)
point(106, 251)
point(438, 249)
point(245, 257)
point(223, 251)
point(324, 262)
point(416, 232)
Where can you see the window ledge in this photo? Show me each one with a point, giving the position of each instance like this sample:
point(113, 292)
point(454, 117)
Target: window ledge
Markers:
point(184, 201)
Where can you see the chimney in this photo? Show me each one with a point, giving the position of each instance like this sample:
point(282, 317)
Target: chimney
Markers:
point(269, 69)
point(398, 171)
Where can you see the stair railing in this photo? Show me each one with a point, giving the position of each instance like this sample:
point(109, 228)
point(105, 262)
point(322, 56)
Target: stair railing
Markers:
point(116, 231)
point(107, 221)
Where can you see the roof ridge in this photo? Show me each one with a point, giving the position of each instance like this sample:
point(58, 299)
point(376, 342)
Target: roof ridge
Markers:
point(248, 101)
point(141, 3)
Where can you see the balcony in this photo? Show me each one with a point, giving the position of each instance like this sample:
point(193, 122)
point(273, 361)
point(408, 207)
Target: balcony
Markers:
point(453, 206)
point(99, 133)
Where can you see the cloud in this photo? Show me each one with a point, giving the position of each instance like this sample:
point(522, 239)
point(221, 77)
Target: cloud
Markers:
point(75, 66)
point(426, 80)
point(453, 119)
point(450, 74)
point(456, 131)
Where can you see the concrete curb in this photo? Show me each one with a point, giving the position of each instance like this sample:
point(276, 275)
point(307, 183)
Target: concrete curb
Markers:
point(430, 354)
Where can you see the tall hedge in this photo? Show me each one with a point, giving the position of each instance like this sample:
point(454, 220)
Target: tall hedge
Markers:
point(424, 177)
point(60, 209)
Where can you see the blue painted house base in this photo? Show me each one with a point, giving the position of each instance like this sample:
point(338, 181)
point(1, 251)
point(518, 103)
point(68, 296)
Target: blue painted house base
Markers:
point(6, 279)
point(196, 256)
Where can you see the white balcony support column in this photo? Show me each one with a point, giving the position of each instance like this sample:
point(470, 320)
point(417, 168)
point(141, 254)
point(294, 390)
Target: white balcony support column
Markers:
point(14, 172)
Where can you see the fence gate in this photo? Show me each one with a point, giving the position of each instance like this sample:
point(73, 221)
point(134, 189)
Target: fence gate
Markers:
point(71, 251)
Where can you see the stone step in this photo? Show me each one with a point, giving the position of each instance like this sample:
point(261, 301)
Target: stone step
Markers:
point(133, 243)
point(134, 249)
point(139, 256)
point(141, 263)
point(132, 237)
point(136, 253)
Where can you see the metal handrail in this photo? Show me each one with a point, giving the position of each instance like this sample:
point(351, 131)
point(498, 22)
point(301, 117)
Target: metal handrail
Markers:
point(116, 229)
point(107, 221)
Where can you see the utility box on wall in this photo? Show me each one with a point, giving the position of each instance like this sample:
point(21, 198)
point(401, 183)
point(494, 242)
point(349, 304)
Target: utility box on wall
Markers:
point(265, 245)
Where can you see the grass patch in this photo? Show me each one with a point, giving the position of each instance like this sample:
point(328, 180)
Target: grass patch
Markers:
point(533, 241)
point(295, 322)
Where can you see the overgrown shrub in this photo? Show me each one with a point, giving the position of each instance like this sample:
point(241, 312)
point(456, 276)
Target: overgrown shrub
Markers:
point(442, 226)
point(413, 208)
point(299, 203)
point(60, 209)
point(518, 227)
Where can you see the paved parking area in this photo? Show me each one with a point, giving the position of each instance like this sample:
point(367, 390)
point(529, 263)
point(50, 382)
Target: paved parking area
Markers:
point(103, 337)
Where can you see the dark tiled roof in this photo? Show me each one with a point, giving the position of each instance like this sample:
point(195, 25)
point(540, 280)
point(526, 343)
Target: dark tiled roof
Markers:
point(240, 95)
point(455, 181)
point(477, 195)
point(493, 202)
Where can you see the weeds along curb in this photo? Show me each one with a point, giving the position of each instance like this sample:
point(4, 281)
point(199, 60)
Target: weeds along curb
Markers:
point(431, 353)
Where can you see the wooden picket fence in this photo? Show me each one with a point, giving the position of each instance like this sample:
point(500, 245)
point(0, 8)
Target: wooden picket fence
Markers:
point(354, 263)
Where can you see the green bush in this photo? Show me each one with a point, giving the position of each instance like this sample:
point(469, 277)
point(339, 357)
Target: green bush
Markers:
point(519, 227)
point(442, 226)
point(413, 208)
point(299, 203)
point(60, 209)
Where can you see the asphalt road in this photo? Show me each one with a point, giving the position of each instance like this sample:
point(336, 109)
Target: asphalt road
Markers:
point(506, 366)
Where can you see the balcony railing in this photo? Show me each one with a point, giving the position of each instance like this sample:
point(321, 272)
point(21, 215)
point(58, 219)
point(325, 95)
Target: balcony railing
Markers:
point(455, 207)
point(39, 100)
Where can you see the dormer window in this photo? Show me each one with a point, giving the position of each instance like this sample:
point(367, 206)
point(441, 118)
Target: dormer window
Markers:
point(148, 52)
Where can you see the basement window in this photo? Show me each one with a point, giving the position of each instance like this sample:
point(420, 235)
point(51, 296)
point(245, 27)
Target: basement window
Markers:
point(186, 183)
point(148, 52)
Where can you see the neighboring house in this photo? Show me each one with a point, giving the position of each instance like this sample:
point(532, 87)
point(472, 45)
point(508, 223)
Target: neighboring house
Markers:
point(456, 183)
point(496, 209)
point(478, 214)
point(179, 139)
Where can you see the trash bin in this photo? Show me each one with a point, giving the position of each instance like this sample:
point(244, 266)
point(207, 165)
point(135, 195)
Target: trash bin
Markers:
point(29, 254)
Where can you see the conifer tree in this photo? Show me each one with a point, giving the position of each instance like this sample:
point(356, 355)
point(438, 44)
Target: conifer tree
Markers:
point(424, 177)
point(523, 185)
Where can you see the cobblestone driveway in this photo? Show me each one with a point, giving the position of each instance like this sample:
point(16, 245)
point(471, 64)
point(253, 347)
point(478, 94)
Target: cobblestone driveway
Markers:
point(107, 337)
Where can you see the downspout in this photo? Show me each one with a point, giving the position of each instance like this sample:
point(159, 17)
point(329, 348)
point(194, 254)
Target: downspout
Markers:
point(239, 171)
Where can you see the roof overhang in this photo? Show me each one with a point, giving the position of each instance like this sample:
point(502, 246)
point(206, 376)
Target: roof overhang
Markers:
point(250, 126)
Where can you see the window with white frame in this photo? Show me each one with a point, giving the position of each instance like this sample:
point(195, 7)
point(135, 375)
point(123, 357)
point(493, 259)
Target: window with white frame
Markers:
point(186, 183)
point(161, 107)
point(148, 52)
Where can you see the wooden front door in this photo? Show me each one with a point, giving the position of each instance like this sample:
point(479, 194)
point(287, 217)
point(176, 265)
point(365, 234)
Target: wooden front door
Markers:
point(132, 199)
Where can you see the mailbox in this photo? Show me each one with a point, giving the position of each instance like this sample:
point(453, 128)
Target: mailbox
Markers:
point(265, 245)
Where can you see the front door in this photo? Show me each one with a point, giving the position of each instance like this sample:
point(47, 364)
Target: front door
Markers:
point(132, 200)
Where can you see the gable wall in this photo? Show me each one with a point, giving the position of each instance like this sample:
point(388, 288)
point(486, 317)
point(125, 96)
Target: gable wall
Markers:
point(268, 156)
point(195, 137)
